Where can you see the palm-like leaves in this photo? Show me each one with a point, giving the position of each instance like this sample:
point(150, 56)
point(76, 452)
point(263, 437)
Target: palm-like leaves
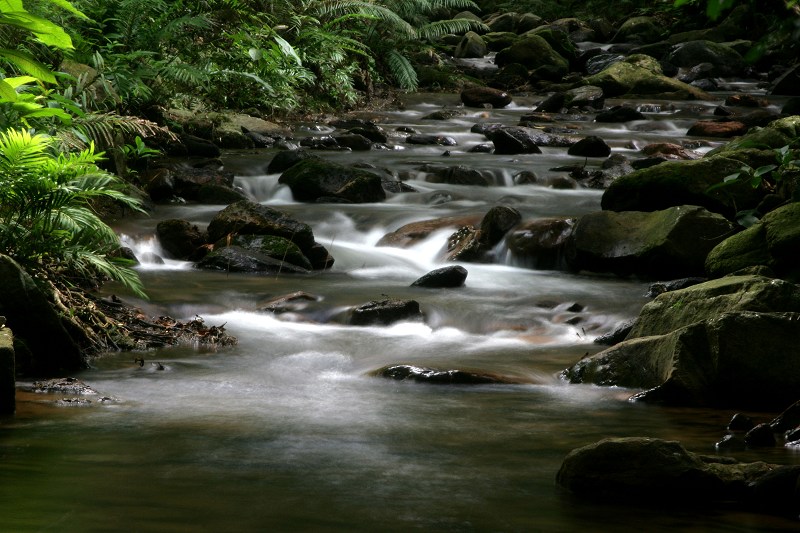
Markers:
point(46, 214)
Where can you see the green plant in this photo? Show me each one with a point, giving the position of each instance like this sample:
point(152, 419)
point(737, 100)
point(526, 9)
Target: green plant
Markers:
point(46, 210)
point(780, 178)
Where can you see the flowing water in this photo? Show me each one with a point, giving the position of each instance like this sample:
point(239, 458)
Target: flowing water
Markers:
point(287, 431)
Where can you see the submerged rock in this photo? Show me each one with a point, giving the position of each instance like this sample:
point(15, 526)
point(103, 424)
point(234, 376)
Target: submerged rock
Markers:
point(446, 277)
point(385, 312)
point(442, 377)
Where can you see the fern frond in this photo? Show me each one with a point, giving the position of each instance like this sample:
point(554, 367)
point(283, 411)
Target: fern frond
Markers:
point(444, 27)
point(402, 71)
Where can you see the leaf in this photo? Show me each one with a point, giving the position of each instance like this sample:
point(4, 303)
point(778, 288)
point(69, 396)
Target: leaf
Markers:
point(7, 92)
point(287, 49)
point(29, 64)
point(766, 169)
point(63, 4)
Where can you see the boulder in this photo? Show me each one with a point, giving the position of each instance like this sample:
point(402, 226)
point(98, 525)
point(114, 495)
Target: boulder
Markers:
point(458, 175)
point(471, 45)
point(429, 139)
point(534, 52)
point(591, 146)
point(772, 242)
point(778, 133)
point(499, 40)
point(629, 80)
point(725, 60)
point(179, 238)
point(481, 96)
point(470, 244)
point(674, 183)
point(584, 96)
point(639, 30)
point(619, 113)
point(788, 84)
point(446, 277)
point(717, 128)
point(188, 182)
point(385, 312)
point(241, 260)
point(541, 244)
point(441, 377)
point(670, 243)
point(251, 218)
point(722, 343)
point(314, 179)
point(271, 246)
point(643, 470)
point(511, 140)
point(354, 141)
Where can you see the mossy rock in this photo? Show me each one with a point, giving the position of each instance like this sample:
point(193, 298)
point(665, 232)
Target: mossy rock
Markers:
point(533, 51)
point(777, 134)
point(743, 250)
point(674, 183)
point(558, 40)
point(633, 81)
point(314, 179)
point(498, 40)
point(274, 247)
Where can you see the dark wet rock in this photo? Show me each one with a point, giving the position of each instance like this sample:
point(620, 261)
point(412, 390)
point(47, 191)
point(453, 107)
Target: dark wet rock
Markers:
point(724, 60)
point(241, 260)
point(772, 242)
point(426, 139)
point(791, 107)
point(600, 62)
point(541, 244)
point(179, 238)
point(259, 140)
point(446, 277)
point(645, 470)
point(471, 45)
point(717, 128)
point(414, 232)
point(509, 77)
point(458, 175)
point(481, 149)
point(271, 246)
point(533, 52)
point(660, 287)
point(250, 218)
point(740, 422)
point(553, 103)
point(385, 312)
point(499, 40)
point(312, 179)
point(730, 443)
point(619, 113)
point(720, 343)
point(512, 140)
point(354, 141)
point(288, 303)
point(188, 182)
point(444, 114)
point(484, 128)
point(470, 244)
point(587, 96)
point(617, 335)
point(670, 151)
point(674, 183)
point(669, 243)
point(761, 436)
point(591, 146)
point(480, 96)
point(441, 377)
point(745, 100)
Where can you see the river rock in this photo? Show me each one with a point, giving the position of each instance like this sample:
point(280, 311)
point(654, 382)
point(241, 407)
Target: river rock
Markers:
point(429, 139)
point(630, 80)
point(7, 371)
point(645, 470)
point(499, 40)
point(640, 30)
point(511, 140)
point(721, 343)
point(271, 246)
point(669, 243)
point(674, 183)
point(354, 141)
point(619, 113)
point(415, 232)
point(241, 260)
point(725, 61)
point(470, 244)
point(314, 179)
point(533, 52)
point(471, 45)
point(251, 218)
point(285, 159)
point(591, 146)
point(179, 238)
point(761, 436)
point(385, 312)
point(759, 143)
point(458, 175)
point(288, 303)
point(717, 128)
point(446, 277)
point(44, 340)
point(541, 244)
point(441, 377)
point(585, 96)
point(481, 96)
point(772, 242)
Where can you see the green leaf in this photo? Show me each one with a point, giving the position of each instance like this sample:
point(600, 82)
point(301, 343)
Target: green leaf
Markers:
point(46, 31)
point(755, 182)
point(63, 4)
point(766, 169)
point(27, 63)
point(7, 92)
point(287, 49)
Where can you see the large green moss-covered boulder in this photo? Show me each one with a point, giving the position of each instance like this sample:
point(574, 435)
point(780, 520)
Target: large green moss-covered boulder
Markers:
point(640, 30)
point(773, 242)
point(674, 183)
point(669, 243)
point(725, 343)
point(533, 51)
point(628, 80)
point(779, 133)
point(725, 60)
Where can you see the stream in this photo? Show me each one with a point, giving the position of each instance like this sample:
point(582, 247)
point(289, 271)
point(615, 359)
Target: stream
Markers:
point(287, 431)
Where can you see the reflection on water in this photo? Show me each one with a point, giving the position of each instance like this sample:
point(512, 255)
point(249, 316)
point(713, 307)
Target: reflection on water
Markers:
point(287, 430)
